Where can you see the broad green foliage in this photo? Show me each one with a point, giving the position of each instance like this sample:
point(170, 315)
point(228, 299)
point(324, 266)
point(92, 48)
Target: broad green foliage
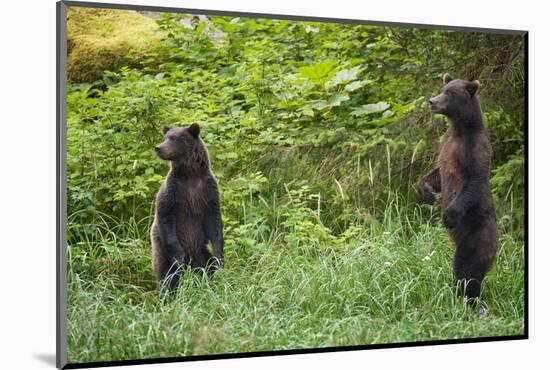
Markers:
point(318, 134)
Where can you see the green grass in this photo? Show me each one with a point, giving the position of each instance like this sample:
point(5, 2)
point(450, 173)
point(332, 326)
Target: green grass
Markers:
point(289, 282)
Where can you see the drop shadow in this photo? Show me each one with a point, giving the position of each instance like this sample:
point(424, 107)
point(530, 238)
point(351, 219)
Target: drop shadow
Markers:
point(47, 358)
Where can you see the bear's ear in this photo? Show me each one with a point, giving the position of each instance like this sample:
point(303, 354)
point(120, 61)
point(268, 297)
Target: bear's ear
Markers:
point(165, 129)
point(472, 87)
point(194, 129)
point(447, 78)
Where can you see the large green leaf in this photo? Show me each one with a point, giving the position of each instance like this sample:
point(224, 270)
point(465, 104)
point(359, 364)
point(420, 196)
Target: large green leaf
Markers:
point(333, 101)
point(352, 86)
point(345, 76)
point(307, 111)
point(320, 105)
point(319, 73)
point(370, 108)
point(336, 99)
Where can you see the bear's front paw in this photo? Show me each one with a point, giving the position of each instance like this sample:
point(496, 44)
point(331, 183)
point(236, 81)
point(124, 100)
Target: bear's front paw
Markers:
point(428, 197)
point(180, 258)
point(451, 217)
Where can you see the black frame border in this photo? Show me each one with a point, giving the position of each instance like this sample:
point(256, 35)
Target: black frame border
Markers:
point(61, 211)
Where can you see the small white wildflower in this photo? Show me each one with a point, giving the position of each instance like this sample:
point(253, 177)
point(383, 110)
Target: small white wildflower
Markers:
point(428, 257)
point(483, 311)
point(387, 263)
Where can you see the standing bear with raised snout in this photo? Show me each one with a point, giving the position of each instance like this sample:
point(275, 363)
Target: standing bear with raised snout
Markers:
point(462, 177)
point(187, 214)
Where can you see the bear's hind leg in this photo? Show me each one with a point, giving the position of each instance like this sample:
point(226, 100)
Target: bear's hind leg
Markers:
point(202, 259)
point(165, 267)
point(473, 258)
point(470, 287)
point(169, 274)
point(468, 277)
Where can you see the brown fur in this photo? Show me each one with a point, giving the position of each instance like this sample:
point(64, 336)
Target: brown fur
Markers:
point(187, 214)
point(462, 177)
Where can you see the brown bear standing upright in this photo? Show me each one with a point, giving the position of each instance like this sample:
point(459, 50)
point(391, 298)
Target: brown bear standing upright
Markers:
point(187, 208)
point(462, 177)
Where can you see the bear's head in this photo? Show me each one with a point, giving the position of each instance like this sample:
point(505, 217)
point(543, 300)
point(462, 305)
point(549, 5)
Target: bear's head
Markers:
point(456, 97)
point(181, 144)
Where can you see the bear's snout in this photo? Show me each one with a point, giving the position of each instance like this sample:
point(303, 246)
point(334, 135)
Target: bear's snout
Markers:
point(436, 104)
point(432, 104)
point(160, 151)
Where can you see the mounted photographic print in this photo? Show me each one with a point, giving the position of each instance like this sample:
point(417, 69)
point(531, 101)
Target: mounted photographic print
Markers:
point(235, 185)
